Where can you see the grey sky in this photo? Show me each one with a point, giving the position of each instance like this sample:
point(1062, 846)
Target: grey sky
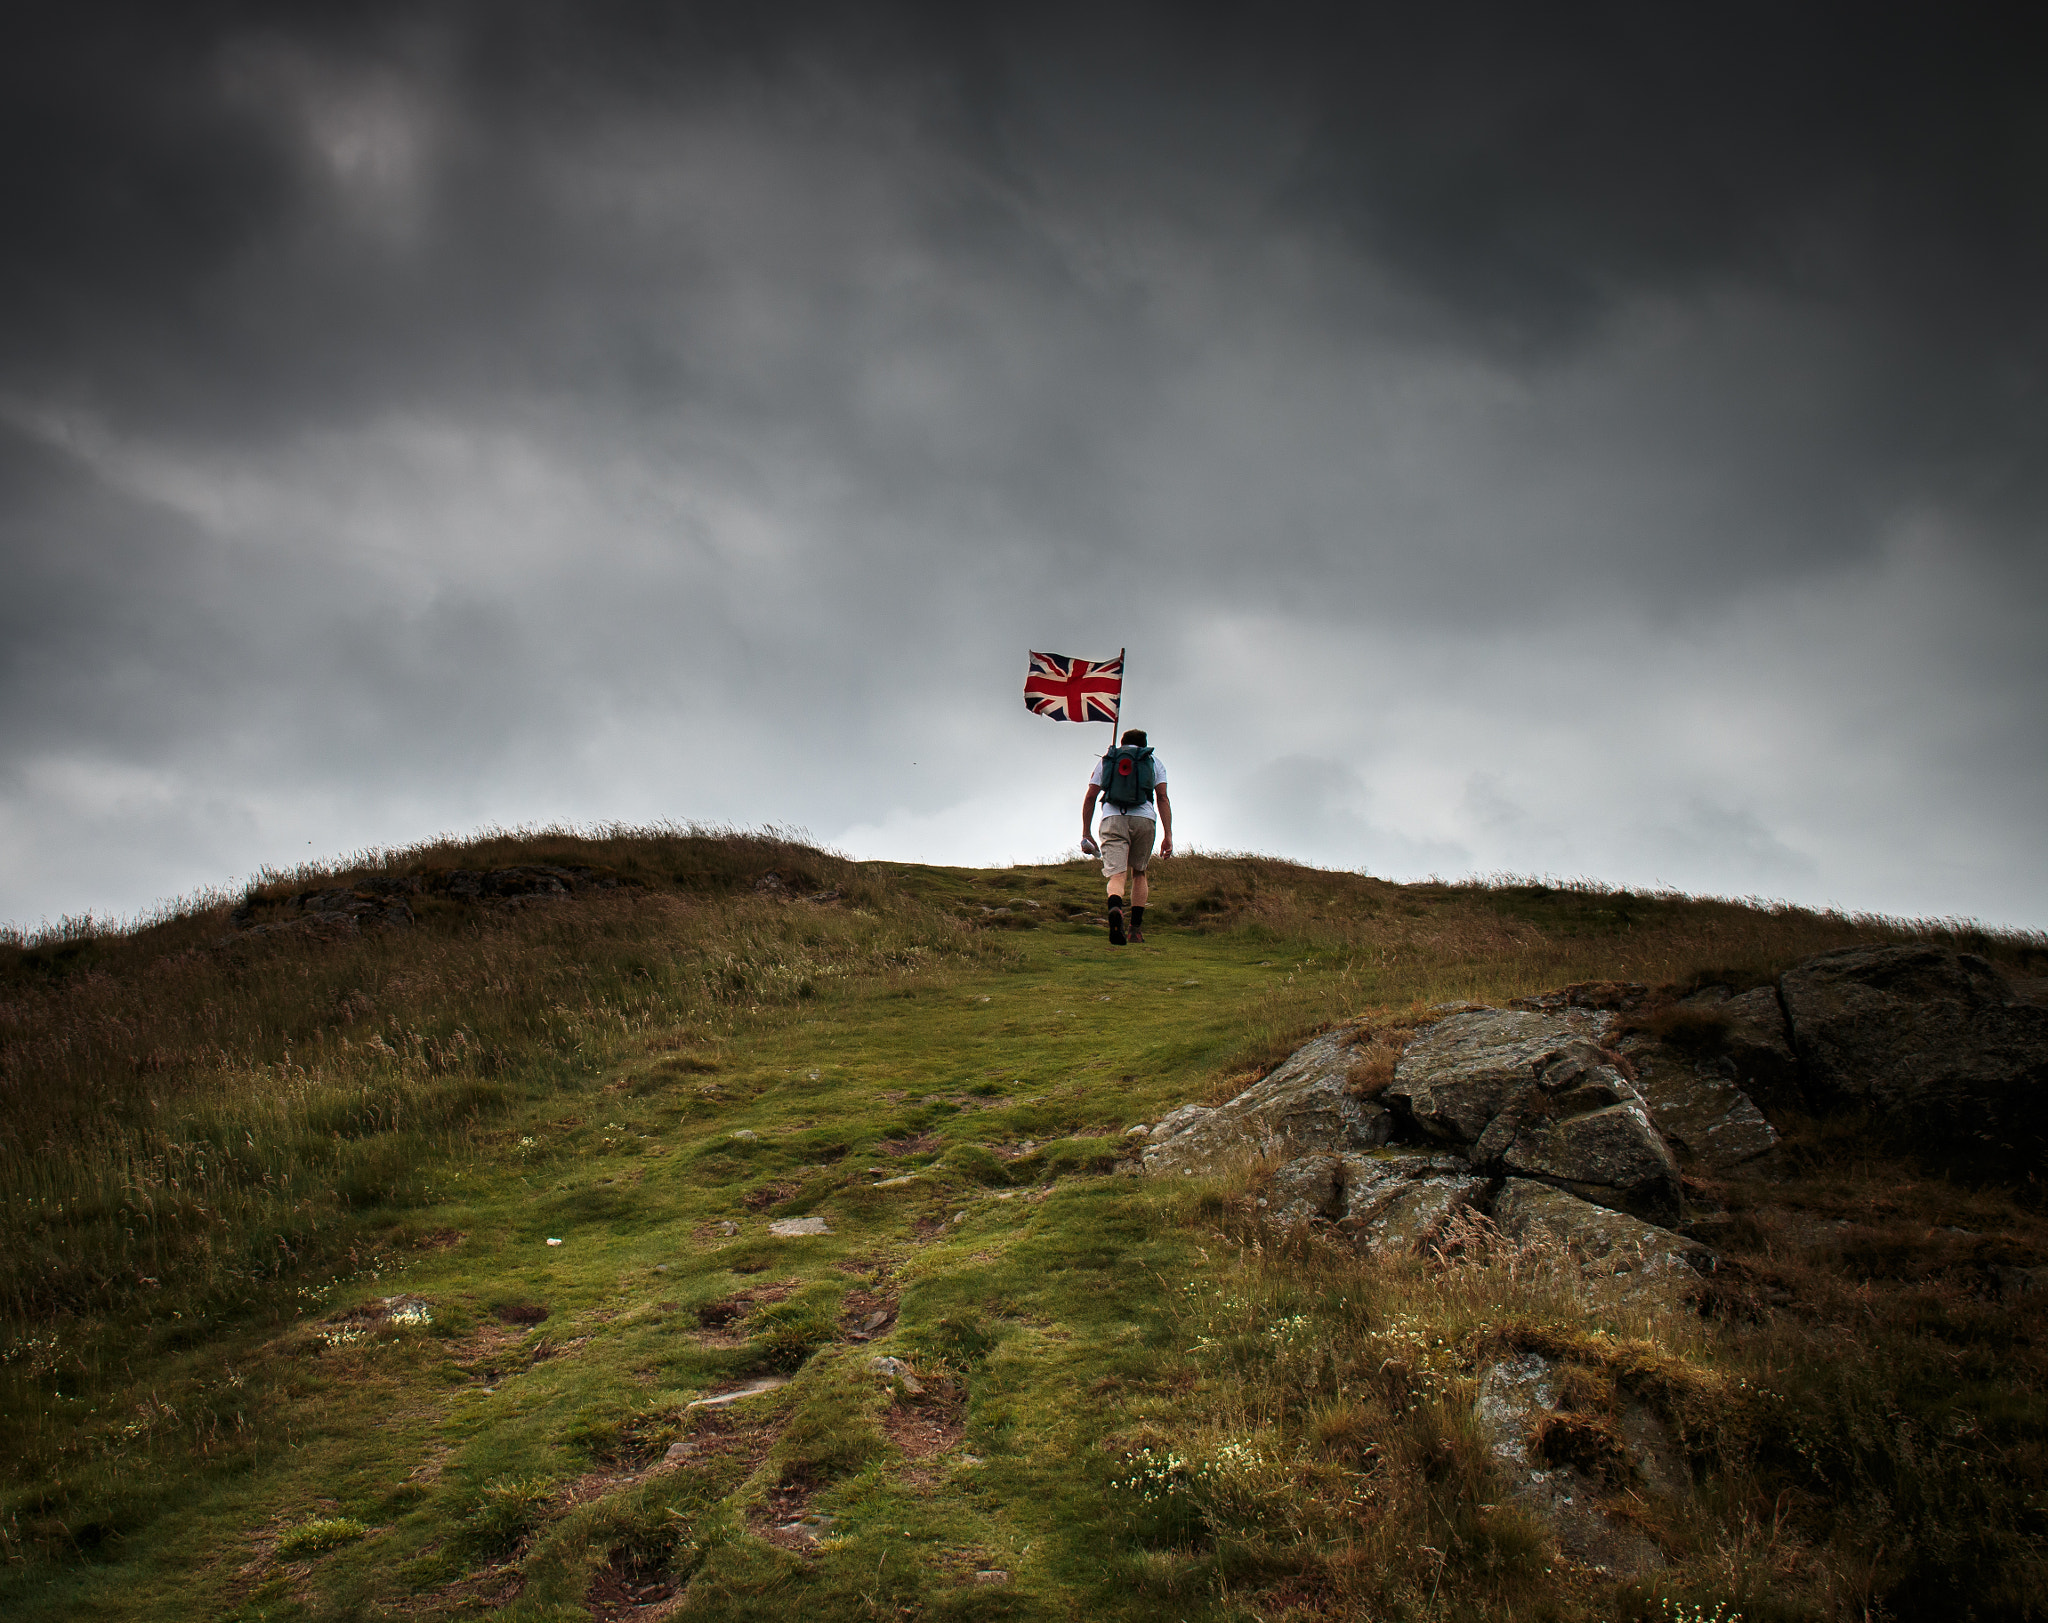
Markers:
point(1579, 443)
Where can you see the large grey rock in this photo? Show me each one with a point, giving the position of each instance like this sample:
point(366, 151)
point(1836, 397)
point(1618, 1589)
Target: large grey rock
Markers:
point(1303, 1108)
point(1310, 1187)
point(1412, 1216)
point(1759, 1044)
point(1533, 1094)
point(1457, 1075)
point(1748, 1041)
point(1697, 1107)
point(1515, 1397)
point(1619, 1255)
point(1610, 1157)
point(1932, 1043)
point(1388, 1201)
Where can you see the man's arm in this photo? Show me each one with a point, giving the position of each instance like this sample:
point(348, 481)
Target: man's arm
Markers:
point(1165, 822)
point(1088, 820)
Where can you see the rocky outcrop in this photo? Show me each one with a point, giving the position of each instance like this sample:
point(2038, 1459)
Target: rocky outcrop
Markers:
point(380, 900)
point(1484, 1100)
point(1303, 1108)
point(386, 900)
point(1931, 1043)
point(1532, 1094)
point(532, 882)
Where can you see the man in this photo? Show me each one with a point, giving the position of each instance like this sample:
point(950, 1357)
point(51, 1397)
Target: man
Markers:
point(1126, 846)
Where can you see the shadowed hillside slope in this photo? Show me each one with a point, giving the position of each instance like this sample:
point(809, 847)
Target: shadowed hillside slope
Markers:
point(687, 1223)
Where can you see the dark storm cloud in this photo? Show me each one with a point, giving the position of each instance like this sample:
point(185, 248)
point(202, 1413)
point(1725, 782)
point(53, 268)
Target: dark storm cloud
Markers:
point(442, 411)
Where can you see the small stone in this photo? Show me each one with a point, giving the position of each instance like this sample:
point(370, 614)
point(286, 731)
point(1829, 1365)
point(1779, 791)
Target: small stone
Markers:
point(744, 1132)
point(896, 1370)
point(661, 1267)
point(991, 1575)
point(678, 1452)
point(793, 1228)
point(1139, 1131)
point(897, 1183)
point(753, 1389)
point(553, 1241)
point(728, 1227)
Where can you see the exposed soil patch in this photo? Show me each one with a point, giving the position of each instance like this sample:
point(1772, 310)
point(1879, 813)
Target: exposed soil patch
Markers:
point(864, 1315)
point(923, 1144)
point(491, 1352)
point(770, 1194)
point(623, 1590)
point(928, 1431)
point(520, 1313)
point(786, 1519)
point(729, 1313)
point(488, 1591)
point(721, 1435)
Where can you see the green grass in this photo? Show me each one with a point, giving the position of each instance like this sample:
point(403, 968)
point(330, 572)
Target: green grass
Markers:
point(219, 1161)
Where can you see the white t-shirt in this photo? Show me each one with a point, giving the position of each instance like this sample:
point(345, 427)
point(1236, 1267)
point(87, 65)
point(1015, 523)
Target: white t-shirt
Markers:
point(1146, 810)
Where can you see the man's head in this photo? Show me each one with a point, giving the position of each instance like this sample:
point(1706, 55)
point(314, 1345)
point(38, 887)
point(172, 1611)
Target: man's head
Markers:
point(1134, 736)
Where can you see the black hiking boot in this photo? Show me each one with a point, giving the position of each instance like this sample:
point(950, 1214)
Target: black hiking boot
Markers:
point(1116, 925)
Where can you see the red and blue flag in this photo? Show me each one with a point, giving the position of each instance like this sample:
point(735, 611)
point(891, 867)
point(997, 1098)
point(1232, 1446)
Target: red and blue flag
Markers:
point(1074, 689)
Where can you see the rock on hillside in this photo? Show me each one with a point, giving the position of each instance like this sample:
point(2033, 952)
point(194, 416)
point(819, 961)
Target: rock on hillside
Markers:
point(1557, 1129)
point(1697, 1106)
point(1932, 1043)
point(1553, 1123)
point(1482, 1100)
point(386, 899)
point(1533, 1095)
point(1303, 1107)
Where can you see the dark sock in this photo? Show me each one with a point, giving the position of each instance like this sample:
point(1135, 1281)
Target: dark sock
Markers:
point(1116, 904)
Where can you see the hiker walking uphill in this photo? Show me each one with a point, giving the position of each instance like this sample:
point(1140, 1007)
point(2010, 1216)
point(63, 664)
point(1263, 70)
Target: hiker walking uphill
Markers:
point(1131, 783)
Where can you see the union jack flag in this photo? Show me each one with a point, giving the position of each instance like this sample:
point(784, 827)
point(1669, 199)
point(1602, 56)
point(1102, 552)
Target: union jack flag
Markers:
point(1074, 689)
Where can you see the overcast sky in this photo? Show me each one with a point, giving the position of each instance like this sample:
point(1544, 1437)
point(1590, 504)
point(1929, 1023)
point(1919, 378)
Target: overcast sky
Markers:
point(1607, 441)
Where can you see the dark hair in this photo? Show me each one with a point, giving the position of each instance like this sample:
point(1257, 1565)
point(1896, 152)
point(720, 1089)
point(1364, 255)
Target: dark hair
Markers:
point(1134, 736)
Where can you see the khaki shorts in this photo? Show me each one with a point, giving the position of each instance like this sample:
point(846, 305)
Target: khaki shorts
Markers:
point(1126, 843)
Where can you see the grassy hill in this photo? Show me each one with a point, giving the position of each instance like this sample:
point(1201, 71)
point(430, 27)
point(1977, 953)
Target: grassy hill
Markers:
point(287, 1332)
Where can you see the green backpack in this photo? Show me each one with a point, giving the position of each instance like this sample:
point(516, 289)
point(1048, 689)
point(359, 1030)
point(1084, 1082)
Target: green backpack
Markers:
point(1127, 776)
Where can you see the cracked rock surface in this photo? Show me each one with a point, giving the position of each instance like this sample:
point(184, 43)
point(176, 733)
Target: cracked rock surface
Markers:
point(1303, 1108)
